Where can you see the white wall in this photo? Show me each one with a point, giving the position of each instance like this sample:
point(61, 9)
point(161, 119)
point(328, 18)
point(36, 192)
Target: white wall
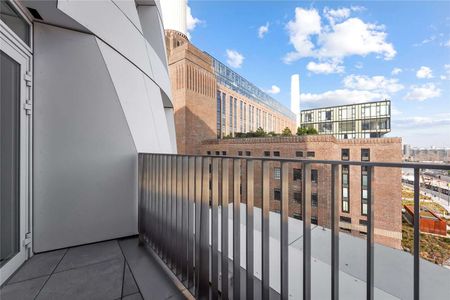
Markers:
point(100, 98)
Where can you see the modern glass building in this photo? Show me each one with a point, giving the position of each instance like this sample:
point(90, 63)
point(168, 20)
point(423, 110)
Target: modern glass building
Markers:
point(362, 120)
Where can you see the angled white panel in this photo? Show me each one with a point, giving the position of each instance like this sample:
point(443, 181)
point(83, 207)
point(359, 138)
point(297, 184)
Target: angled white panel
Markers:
point(151, 21)
point(160, 70)
point(106, 20)
point(141, 104)
point(128, 7)
point(85, 160)
point(171, 124)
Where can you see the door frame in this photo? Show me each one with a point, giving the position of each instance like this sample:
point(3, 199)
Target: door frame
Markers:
point(14, 47)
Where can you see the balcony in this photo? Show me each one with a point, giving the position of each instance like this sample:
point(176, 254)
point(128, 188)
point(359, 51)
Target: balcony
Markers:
point(201, 215)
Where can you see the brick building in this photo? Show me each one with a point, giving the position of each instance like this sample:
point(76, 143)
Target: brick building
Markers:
point(353, 196)
point(211, 100)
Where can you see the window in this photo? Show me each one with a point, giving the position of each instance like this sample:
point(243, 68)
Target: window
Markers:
point(345, 189)
point(298, 197)
point(299, 154)
point(276, 153)
point(365, 154)
point(314, 176)
point(217, 152)
point(310, 154)
point(208, 152)
point(364, 191)
point(345, 154)
point(239, 153)
point(277, 173)
point(297, 174)
point(12, 18)
point(363, 222)
point(314, 220)
point(277, 194)
point(297, 216)
point(345, 219)
point(248, 153)
point(266, 153)
point(314, 200)
point(224, 152)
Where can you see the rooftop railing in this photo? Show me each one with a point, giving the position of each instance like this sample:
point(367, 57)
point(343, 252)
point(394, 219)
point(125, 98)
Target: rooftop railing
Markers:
point(184, 202)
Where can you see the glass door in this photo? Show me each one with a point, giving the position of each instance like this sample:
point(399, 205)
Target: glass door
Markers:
point(15, 140)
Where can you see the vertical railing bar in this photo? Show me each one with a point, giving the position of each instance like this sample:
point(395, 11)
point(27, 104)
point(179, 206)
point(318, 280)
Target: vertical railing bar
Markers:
point(204, 265)
point(335, 196)
point(250, 228)
point(416, 225)
point(157, 196)
point(225, 200)
point(169, 210)
point(151, 202)
point(184, 253)
point(160, 202)
point(284, 251)
point(164, 211)
point(306, 216)
point(370, 234)
point(215, 228)
point(191, 215)
point(140, 190)
point(265, 230)
point(179, 215)
point(236, 229)
point(174, 214)
point(198, 199)
point(144, 198)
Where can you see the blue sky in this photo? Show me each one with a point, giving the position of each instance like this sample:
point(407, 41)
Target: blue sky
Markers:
point(344, 51)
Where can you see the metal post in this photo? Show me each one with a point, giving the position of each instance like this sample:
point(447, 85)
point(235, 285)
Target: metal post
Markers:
point(249, 229)
point(236, 229)
point(203, 290)
point(225, 199)
point(306, 216)
point(370, 233)
point(416, 225)
point(215, 229)
point(265, 230)
point(335, 197)
point(284, 251)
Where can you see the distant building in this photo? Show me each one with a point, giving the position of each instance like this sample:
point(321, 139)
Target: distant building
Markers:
point(213, 101)
point(430, 154)
point(362, 120)
point(406, 151)
point(353, 197)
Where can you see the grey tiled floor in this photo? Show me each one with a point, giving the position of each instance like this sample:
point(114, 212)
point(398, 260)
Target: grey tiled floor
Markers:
point(103, 270)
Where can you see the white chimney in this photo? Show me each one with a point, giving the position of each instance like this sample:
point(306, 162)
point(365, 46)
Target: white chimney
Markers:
point(174, 15)
point(295, 96)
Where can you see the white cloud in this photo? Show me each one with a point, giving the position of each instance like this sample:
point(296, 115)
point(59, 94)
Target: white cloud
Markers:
point(234, 58)
point(447, 72)
point(447, 44)
point(191, 21)
point(273, 90)
point(325, 67)
point(305, 24)
point(334, 15)
point(396, 71)
point(359, 65)
point(414, 122)
point(424, 72)
point(262, 30)
point(379, 84)
point(342, 37)
point(423, 92)
point(340, 96)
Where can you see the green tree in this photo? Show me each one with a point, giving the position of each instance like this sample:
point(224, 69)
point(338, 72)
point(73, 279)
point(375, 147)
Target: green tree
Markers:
point(272, 133)
point(306, 131)
point(260, 132)
point(286, 132)
point(311, 130)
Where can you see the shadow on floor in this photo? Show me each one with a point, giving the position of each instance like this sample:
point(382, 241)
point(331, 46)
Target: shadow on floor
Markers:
point(117, 269)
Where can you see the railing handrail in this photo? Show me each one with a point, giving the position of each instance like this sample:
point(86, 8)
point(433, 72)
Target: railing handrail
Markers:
point(406, 165)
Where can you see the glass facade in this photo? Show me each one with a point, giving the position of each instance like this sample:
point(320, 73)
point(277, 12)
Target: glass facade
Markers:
point(364, 120)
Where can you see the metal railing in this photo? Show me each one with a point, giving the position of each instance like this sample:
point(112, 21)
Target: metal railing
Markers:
point(183, 213)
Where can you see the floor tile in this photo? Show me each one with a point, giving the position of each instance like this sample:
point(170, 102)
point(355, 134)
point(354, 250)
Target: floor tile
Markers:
point(37, 266)
point(22, 290)
point(136, 296)
point(152, 279)
point(129, 285)
point(96, 281)
point(89, 254)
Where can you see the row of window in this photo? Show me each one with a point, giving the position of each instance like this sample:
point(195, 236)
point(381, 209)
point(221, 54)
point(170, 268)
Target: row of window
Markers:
point(345, 204)
point(297, 197)
point(268, 153)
